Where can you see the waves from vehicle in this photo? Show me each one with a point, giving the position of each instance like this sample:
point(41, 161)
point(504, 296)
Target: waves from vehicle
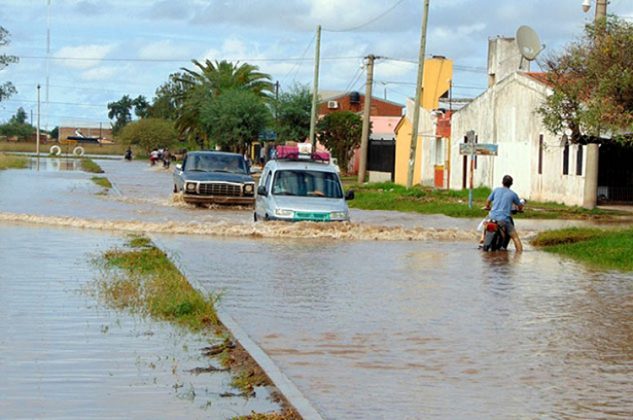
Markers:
point(339, 231)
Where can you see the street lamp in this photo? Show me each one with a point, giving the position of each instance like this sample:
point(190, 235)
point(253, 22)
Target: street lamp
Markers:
point(601, 7)
point(586, 5)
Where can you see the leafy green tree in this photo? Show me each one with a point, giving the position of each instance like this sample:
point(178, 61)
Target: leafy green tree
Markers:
point(120, 111)
point(340, 132)
point(55, 133)
point(592, 83)
point(20, 116)
point(292, 114)
point(141, 106)
point(169, 98)
point(234, 119)
point(17, 126)
point(6, 89)
point(149, 133)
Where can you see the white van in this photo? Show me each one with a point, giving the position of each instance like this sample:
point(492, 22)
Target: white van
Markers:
point(301, 187)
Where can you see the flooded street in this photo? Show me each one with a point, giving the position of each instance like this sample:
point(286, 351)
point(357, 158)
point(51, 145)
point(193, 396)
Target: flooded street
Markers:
point(64, 356)
point(402, 329)
point(392, 316)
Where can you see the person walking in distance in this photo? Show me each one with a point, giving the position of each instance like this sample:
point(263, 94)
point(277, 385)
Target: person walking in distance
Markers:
point(502, 200)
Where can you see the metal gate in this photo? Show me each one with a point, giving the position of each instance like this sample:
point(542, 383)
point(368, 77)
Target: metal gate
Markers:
point(381, 156)
point(615, 174)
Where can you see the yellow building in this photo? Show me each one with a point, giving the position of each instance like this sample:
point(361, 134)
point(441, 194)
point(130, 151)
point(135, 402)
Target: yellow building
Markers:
point(438, 74)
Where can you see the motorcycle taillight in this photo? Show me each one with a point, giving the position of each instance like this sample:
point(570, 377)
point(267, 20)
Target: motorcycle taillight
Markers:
point(491, 227)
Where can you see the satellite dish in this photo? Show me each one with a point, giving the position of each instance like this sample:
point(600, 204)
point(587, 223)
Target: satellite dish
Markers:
point(529, 43)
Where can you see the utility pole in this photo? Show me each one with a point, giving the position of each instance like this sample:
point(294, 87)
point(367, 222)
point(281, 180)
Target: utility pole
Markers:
point(364, 139)
point(593, 153)
point(37, 141)
point(418, 94)
point(315, 88)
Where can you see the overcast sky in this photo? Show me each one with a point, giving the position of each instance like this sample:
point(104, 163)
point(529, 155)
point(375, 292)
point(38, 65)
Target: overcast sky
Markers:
point(102, 50)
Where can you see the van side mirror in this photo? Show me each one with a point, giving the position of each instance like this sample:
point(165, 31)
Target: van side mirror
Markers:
point(261, 190)
point(349, 195)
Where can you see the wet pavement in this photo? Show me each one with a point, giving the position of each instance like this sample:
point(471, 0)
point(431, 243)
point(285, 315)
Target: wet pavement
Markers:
point(415, 324)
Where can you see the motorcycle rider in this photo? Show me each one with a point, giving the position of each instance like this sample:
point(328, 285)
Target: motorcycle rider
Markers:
point(502, 200)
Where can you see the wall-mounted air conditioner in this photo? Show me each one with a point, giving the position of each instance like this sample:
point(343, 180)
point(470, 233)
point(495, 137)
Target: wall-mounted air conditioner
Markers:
point(332, 104)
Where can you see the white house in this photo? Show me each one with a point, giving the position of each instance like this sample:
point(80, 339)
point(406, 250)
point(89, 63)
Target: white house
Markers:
point(543, 165)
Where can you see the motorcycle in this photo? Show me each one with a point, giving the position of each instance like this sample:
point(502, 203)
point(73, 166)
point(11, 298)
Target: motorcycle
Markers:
point(496, 236)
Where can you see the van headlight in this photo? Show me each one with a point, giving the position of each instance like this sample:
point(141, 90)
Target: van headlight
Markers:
point(190, 187)
point(284, 213)
point(338, 215)
point(249, 189)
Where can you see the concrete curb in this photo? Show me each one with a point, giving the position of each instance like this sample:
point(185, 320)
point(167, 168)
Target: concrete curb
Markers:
point(281, 381)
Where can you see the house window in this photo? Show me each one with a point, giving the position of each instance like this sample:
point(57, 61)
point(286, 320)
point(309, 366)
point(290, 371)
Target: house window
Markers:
point(566, 159)
point(579, 160)
point(540, 154)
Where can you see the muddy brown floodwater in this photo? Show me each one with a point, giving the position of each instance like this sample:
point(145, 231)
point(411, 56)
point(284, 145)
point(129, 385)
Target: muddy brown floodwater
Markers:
point(395, 316)
point(62, 355)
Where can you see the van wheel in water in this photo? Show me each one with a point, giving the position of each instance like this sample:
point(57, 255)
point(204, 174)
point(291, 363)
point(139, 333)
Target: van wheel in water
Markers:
point(266, 217)
point(175, 188)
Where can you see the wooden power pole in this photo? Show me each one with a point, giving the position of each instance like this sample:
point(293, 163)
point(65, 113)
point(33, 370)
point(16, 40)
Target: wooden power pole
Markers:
point(364, 140)
point(418, 94)
point(315, 89)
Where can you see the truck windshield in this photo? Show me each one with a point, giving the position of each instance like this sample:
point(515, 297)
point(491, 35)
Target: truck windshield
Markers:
point(216, 163)
point(307, 184)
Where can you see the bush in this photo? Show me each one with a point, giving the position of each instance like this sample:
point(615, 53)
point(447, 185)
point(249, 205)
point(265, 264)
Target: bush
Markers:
point(149, 133)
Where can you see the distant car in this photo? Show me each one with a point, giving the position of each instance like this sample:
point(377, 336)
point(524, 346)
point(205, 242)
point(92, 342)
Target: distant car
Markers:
point(298, 189)
point(214, 178)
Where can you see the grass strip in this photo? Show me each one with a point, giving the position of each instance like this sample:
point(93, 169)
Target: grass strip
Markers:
point(12, 162)
point(154, 286)
point(142, 279)
point(454, 203)
point(604, 249)
point(89, 165)
point(102, 181)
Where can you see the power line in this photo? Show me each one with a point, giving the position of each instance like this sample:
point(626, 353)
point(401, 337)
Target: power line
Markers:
point(368, 22)
point(298, 65)
point(29, 101)
point(169, 60)
point(472, 69)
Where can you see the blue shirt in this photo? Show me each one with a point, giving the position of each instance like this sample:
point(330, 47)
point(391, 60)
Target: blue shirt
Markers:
point(502, 199)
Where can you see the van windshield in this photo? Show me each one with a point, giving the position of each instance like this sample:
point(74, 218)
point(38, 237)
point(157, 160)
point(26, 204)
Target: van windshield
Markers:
point(307, 184)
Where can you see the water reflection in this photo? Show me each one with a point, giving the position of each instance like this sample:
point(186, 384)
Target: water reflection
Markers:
point(54, 164)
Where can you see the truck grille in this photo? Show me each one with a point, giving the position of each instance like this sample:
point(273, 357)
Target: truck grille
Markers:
point(220, 189)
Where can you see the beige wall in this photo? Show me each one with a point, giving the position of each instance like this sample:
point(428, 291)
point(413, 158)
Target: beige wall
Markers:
point(423, 172)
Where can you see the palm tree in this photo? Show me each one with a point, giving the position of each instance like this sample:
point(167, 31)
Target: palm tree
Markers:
point(211, 79)
point(219, 76)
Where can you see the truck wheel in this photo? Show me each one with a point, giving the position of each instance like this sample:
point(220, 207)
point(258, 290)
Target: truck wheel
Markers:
point(175, 188)
point(254, 216)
